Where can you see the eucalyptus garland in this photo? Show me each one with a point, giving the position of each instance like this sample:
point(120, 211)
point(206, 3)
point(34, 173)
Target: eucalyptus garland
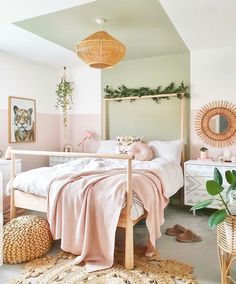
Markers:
point(64, 97)
point(124, 92)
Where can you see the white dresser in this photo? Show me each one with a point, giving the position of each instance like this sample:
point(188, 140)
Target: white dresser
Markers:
point(196, 173)
point(55, 160)
point(5, 168)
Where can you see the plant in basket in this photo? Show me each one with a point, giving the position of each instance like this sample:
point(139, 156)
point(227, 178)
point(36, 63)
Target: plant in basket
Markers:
point(225, 196)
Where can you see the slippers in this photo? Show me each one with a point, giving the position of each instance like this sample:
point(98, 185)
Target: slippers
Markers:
point(188, 237)
point(176, 230)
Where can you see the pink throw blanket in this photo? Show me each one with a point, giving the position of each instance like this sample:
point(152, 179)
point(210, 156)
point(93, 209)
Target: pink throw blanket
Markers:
point(84, 210)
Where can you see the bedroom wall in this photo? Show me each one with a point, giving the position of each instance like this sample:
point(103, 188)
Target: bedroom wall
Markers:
point(23, 78)
point(147, 72)
point(86, 110)
point(212, 78)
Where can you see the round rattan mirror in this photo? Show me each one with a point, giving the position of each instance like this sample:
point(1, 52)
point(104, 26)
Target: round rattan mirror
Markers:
point(215, 124)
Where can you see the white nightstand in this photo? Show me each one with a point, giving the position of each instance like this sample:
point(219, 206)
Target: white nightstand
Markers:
point(196, 173)
point(5, 168)
point(55, 160)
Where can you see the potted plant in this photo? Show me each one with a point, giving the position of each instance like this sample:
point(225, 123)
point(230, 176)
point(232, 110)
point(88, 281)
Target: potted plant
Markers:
point(219, 193)
point(203, 153)
point(223, 218)
point(64, 96)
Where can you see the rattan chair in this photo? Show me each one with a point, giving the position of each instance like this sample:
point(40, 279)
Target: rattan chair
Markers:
point(226, 242)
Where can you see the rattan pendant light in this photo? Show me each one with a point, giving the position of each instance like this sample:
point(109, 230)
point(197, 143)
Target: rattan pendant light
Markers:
point(100, 50)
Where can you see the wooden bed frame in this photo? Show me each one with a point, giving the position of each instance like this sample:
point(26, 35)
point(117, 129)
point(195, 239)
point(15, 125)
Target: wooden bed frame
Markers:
point(20, 199)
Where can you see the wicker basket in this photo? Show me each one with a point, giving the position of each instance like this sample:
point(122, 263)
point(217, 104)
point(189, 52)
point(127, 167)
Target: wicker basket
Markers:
point(26, 238)
point(226, 235)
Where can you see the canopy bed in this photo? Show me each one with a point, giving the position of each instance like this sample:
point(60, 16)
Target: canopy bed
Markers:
point(32, 201)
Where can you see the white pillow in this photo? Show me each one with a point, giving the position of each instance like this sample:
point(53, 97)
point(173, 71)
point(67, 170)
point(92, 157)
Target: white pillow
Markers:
point(107, 147)
point(170, 150)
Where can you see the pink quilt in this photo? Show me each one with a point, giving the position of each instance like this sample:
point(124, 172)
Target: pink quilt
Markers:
point(84, 210)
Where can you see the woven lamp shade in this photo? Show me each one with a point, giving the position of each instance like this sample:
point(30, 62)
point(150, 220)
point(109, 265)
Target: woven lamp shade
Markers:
point(100, 50)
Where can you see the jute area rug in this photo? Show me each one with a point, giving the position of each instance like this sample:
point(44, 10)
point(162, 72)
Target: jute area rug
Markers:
point(60, 269)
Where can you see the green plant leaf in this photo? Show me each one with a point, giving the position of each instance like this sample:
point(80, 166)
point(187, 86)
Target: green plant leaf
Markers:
point(213, 187)
point(202, 204)
point(229, 176)
point(217, 176)
point(216, 218)
point(233, 185)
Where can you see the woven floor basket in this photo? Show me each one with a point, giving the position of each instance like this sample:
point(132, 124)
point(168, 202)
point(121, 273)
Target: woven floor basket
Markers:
point(26, 238)
point(226, 235)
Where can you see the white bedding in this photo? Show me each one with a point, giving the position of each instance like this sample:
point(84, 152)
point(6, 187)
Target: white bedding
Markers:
point(37, 181)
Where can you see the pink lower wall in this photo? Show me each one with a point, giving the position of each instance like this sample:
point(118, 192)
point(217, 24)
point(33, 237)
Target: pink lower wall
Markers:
point(77, 125)
point(196, 143)
point(47, 138)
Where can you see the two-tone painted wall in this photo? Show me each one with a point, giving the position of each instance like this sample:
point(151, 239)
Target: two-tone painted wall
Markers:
point(23, 78)
point(212, 78)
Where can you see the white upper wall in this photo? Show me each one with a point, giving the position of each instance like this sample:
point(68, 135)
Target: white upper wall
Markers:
point(23, 78)
point(213, 76)
point(87, 90)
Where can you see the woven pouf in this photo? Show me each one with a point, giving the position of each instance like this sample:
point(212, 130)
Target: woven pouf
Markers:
point(26, 238)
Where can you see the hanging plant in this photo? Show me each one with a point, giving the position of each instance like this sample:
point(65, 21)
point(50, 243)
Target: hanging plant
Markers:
point(64, 96)
point(124, 92)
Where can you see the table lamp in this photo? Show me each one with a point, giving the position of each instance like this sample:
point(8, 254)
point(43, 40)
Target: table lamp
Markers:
point(87, 135)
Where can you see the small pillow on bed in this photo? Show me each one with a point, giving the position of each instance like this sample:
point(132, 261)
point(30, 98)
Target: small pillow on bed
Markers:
point(170, 150)
point(141, 151)
point(124, 142)
point(107, 147)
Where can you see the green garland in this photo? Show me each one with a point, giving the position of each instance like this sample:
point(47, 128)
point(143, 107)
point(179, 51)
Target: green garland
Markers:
point(124, 92)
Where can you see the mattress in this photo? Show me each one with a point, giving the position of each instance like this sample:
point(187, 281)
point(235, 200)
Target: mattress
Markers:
point(37, 181)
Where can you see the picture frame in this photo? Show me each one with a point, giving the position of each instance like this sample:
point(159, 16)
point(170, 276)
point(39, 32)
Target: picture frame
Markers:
point(21, 120)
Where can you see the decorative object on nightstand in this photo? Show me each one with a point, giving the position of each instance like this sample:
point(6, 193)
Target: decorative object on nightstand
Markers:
point(68, 147)
point(87, 135)
point(203, 153)
point(8, 153)
point(227, 155)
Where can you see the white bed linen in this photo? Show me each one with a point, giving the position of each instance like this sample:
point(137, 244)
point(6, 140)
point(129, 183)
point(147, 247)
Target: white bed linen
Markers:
point(37, 181)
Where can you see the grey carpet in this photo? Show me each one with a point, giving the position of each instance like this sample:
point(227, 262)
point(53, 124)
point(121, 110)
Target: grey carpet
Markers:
point(202, 255)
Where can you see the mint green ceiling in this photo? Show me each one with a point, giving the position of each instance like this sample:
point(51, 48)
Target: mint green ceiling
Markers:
point(142, 25)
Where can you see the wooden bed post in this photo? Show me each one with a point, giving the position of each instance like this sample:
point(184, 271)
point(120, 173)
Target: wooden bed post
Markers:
point(182, 126)
point(13, 174)
point(104, 119)
point(129, 238)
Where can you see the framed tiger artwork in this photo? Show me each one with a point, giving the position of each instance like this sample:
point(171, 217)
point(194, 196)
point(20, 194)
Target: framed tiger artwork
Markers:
point(21, 120)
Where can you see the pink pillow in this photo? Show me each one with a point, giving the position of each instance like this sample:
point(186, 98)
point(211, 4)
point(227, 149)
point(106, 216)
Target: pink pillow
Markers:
point(141, 151)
